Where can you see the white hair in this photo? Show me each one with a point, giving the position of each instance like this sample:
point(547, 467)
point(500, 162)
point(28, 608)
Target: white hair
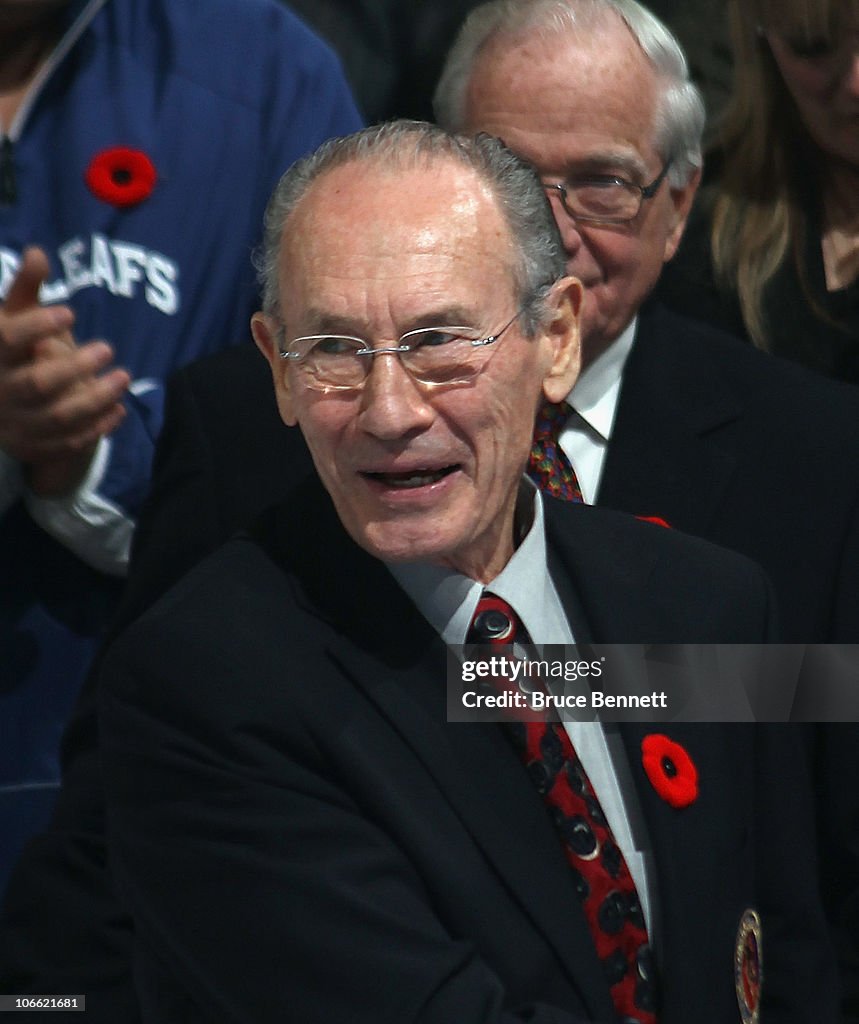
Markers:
point(537, 252)
point(680, 115)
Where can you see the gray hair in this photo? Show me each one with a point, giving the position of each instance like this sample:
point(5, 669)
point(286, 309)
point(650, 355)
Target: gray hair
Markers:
point(537, 256)
point(680, 116)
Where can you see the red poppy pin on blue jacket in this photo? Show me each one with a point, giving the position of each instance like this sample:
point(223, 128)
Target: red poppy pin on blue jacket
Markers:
point(121, 176)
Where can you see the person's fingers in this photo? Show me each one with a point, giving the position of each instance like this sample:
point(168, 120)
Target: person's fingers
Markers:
point(56, 473)
point(65, 421)
point(58, 341)
point(22, 333)
point(33, 448)
point(32, 272)
point(82, 406)
point(23, 320)
point(102, 427)
point(40, 382)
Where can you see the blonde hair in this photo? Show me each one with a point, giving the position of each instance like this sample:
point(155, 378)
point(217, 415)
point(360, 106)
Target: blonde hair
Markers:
point(764, 155)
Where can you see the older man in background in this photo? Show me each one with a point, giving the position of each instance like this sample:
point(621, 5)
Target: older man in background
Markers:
point(669, 418)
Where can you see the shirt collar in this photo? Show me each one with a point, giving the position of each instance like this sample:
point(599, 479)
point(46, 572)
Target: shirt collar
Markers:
point(594, 395)
point(447, 599)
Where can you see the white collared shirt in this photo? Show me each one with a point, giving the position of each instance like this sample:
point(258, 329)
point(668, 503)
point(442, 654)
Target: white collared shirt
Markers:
point(448, 601)
point(594, 396)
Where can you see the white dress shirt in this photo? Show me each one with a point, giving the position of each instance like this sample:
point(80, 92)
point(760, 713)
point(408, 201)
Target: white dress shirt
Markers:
point(448, 601)
point(594, 396)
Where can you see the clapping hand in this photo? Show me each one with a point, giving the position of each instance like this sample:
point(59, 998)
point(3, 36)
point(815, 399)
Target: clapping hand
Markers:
point(57, 398)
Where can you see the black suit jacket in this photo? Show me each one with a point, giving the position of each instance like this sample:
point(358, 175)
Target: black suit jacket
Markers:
point(301, 835)
point(750, 452)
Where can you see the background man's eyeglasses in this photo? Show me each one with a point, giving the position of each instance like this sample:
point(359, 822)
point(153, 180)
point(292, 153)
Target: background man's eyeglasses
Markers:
point(434, 356)
point(605, 200)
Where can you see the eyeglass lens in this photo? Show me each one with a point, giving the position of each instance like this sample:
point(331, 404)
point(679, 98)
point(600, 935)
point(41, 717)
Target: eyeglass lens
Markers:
point(603, 199)
point(434, 355)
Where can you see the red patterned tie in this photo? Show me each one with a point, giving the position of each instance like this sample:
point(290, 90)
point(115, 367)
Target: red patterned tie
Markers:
point(548, 466)
point(603, 881)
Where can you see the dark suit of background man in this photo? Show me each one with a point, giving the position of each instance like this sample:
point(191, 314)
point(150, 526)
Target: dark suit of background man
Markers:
point(297, 831)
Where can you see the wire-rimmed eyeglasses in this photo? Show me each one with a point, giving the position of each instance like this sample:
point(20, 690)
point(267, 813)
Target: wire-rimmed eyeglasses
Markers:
point(605, 200)
point(447, 356)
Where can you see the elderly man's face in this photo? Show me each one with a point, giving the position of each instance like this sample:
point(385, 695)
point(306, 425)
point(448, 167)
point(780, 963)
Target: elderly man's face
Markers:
point(416, 474)
point(577, 111)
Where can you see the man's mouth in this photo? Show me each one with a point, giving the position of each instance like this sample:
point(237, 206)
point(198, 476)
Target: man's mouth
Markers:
point(412, 478)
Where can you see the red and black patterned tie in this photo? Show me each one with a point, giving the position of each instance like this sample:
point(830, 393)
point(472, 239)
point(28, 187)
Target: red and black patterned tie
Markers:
point(603, 881)
point(548, 466)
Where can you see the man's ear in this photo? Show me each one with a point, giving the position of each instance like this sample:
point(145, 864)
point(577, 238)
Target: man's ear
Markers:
point(563, 334)
point(264, 330)
point(682, 199)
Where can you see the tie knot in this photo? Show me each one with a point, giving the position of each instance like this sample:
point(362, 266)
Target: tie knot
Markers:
point(548, 466)
point(494, 622)
point(551, 419)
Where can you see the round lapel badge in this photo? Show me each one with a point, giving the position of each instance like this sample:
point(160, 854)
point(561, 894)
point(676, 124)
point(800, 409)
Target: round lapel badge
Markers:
point(748, 969)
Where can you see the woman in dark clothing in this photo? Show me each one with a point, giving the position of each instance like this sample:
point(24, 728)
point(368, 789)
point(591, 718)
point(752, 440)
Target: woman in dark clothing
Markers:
point(772, 252)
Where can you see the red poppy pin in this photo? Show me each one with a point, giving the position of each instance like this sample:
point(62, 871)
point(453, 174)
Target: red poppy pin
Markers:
point(656, 520)
point(121, 176)
point(671, 770)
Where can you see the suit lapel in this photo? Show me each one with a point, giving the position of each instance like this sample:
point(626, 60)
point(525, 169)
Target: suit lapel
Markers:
point(607, 570)
point(664, 458)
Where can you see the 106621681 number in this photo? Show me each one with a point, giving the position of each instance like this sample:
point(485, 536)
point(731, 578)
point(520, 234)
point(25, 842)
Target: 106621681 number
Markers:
point(34, 1002)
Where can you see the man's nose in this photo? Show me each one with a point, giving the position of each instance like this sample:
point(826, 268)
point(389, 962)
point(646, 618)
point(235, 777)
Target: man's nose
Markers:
point(393, 403)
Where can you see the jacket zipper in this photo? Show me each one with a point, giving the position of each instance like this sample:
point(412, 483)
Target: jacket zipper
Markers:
point(8, 182)
point(8, 178)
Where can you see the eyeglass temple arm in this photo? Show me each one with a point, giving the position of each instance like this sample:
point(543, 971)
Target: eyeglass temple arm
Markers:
point(649, 191)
